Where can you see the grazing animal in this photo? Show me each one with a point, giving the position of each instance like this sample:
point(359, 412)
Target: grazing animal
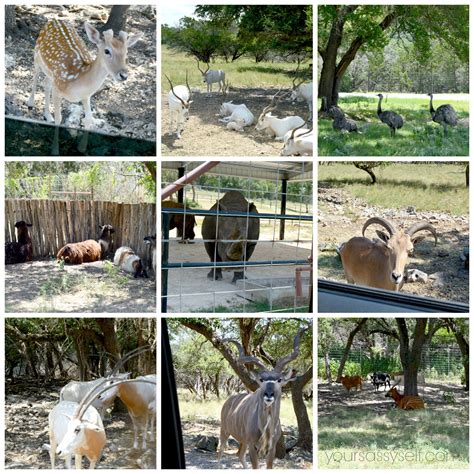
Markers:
point(380, 378)
point(129, 261)
point(380, 263)
point(211, 76)
point(151, 241)
point(70, 71)
point(236, 113)
point(304, 93)
point(405, 402)
point(88, 250)
point(392, 119)
point(298, 142)
point(22, 250)
point(179, 100)
point(253, 419)
point(183, 223)
point(230, 238)
point(444, 115)
point(352, 381)
point(140, 399)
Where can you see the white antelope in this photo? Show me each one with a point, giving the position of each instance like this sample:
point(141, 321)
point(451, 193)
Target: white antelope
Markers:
point(70, 70)
point(211, 76)
point(380, 263)
point(253, 419)
point(140, 399)
point(179, 100)
point(237, 113)
point(304, 93)
point(298, 142)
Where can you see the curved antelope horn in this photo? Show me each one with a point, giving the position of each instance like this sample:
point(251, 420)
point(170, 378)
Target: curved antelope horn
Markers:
point(172, 90)
point(393, 386)
point(96, 391)
point(121, 362)
point(297, 128)
point(245, 359)
point(280, 364)
point(272, 105)
point(413, 229)
point(187, 85)
point(384, 223)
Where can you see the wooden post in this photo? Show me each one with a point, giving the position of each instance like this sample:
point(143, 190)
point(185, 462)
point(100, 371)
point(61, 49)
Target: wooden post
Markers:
point(284, 186)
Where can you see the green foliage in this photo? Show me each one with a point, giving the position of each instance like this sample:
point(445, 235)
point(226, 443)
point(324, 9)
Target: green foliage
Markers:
point(449, 397)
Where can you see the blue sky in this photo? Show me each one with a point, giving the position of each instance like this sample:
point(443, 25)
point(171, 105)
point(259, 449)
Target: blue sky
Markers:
point(173, 11)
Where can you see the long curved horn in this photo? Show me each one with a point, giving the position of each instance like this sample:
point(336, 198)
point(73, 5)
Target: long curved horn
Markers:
point(200, 70)
point(413, 229)
point(245, 359)
point(187, 85)
point(133, 353)
point(96, 391)
point(378, 220)
point(172, 90)
point(280, 364)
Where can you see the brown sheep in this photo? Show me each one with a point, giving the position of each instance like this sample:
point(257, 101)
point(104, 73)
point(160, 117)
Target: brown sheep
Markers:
point(88, 250)
point(22, 250)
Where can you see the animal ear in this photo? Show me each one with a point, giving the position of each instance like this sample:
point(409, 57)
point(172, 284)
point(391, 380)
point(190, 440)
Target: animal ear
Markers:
point(93, 427)
point(29, 225)
point(92, 33)
point(416, 240)
point(382, 236)
point(131, 40)
point(290, 376)
point(252, 208)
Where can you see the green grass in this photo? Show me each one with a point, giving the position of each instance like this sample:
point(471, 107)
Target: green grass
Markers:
point(244, 72)
point(418, 137)
point(359, 438)
point(191, 409)
point(428, 187)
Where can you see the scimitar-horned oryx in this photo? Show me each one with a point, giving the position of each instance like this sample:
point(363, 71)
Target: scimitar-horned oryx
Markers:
point(253, 419)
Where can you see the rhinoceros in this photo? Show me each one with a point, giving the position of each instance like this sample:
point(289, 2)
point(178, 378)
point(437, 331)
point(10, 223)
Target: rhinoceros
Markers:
point(183, 223)
point(236, 229)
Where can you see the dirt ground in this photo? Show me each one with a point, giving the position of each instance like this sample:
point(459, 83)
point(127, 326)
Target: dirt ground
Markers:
point(27, 406)
point(41, 286)
point(342, 217)
point(127, 109)
point(332, 395)
point(204, 135)
point(189, 289)
point(200, 459)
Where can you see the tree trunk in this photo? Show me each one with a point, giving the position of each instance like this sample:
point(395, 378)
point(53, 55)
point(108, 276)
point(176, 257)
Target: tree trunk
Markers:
point(347, 349)
point(117, 19)
point(327, 366)
point(10, 19)
point(367, 167)
point(467, 175)
point(111, 345)
point(463, 347)
point(305, 433)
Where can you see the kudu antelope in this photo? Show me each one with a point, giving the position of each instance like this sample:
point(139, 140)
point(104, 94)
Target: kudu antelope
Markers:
point(70, 71)
point(253, 419)
point(179, 100)
point(210, 76)
point(380, 263)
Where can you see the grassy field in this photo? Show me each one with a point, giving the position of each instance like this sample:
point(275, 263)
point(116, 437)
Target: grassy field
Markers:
point(243, 72)
point(192, 410)
point(434, 187)
point(359, 438)
point(418, 137)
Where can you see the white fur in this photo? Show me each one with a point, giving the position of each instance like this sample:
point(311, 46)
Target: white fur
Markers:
point(175, 107)
point(301, 144)
point(278, 127)
point(129, 260)
point(304, 92)
point(236, 112)
point(212, 76)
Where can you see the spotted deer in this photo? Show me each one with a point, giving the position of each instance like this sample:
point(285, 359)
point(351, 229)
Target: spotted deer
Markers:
point(71, 72)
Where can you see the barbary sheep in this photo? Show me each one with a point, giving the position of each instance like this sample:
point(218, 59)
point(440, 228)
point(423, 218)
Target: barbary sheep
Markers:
point(129, 261)
point(22, 250)
point(88, 250)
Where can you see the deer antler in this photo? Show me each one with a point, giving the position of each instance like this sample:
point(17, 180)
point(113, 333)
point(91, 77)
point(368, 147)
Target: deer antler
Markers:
point(280, 364)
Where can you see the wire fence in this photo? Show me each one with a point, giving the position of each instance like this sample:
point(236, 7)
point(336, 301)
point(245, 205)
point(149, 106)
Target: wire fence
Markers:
point(251, 247)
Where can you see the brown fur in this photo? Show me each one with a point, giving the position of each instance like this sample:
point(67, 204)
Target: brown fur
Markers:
point(352, 381)
point(93, 448)
point(81, 252)
point(406, 402)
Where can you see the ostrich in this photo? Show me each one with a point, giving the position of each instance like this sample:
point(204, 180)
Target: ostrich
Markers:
point(340, 121)
point(444, 115)
point(392, 119)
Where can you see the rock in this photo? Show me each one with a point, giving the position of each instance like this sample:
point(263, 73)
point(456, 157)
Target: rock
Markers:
point(9, 61)
point(207, 443)
point(416, 276)
point(411, 210)
point(443, 253)
point(439, 279)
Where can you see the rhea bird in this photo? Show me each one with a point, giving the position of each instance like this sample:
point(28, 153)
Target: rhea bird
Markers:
point(392, 119)
point(444, 115)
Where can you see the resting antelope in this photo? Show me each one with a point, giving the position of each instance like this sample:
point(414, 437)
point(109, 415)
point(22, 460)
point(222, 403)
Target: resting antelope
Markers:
point(179, 100)
point(298, 142)
point(70, 71)
point(210, 76)
point(405, 402)
point(381, 263)
point(253, 419)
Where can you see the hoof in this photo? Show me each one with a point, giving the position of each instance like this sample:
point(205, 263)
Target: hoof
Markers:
point(214, 276)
